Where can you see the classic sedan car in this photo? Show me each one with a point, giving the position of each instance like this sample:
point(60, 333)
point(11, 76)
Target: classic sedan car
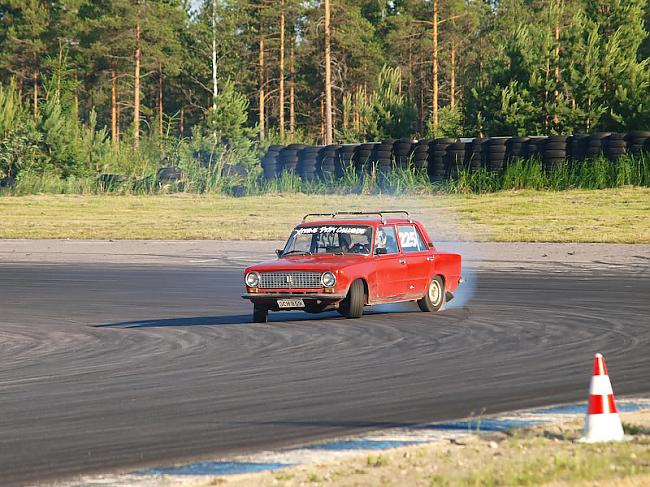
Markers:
point(352, 260)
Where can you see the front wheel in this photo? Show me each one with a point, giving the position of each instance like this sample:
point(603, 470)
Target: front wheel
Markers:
point(352, 305)
point(435, 296)
point(260, 313)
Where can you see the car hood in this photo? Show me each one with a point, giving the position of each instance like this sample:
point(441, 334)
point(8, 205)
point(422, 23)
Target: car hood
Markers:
point(323, 262)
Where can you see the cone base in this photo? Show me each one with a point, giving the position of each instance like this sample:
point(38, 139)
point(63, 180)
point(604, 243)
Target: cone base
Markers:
point(602, 427)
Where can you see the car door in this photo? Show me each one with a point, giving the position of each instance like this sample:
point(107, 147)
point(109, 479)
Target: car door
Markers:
point(418, 259)
point(390, 270)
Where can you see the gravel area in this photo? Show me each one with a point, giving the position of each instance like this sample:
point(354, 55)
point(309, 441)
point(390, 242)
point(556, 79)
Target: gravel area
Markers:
point(477, 255)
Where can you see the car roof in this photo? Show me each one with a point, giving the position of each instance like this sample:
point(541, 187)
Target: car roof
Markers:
point(374, 221)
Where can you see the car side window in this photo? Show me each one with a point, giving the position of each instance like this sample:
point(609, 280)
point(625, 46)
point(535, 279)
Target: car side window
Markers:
point(410, 239)
point(386, 239)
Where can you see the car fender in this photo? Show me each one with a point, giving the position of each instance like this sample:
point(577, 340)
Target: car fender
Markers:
point(448, 266)
point(364, 271)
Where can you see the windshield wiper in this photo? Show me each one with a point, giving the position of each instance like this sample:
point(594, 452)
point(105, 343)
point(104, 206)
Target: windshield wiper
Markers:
point(305, 252)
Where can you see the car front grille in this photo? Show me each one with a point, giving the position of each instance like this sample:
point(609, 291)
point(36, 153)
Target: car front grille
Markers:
point(290, 280)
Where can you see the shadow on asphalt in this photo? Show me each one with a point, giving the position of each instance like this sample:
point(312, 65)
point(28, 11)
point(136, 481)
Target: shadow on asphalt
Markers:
point(183, 321)
point(246, 319)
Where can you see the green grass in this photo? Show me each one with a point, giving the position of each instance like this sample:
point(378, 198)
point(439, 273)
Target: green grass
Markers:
point(620, 215)
point(542, 455)
point(523, 174)
point(530, 174)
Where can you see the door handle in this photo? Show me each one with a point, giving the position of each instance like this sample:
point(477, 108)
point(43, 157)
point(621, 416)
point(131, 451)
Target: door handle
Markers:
point(430, 259)
point(402, 261)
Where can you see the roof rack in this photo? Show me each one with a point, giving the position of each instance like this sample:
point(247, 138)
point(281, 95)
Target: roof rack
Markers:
point(347, 213)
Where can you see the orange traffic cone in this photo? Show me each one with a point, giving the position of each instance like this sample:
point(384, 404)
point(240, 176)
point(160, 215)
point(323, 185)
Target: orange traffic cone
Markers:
point(602, 422)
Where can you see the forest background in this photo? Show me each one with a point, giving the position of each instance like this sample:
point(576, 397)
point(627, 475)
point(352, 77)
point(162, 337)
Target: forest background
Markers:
point(127, 86)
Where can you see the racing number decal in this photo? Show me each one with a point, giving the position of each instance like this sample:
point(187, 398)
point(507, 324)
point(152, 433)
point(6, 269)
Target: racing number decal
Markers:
point(408, 238)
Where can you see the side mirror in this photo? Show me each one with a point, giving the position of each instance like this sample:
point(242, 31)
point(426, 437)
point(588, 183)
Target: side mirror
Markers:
point(381, 251)
point(278, 252)
point(430, 245)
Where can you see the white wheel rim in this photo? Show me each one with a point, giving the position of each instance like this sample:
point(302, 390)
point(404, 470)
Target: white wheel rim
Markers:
point(435, 292)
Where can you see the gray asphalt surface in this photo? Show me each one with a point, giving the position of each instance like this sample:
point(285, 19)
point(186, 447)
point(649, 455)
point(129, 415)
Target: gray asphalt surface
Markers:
point(112, 367)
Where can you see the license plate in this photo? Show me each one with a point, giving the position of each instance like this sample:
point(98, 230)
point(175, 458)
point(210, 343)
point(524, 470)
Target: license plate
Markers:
point(291, 303)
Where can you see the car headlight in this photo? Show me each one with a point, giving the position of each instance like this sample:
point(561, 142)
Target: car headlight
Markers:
point(252, 279)
point(328, 279)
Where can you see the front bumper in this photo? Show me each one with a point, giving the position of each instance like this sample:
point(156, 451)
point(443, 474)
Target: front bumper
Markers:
point(261, 297)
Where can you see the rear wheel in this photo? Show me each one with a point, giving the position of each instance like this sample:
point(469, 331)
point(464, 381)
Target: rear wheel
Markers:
point(435, 296)
point(260, 313)
point(352, 305)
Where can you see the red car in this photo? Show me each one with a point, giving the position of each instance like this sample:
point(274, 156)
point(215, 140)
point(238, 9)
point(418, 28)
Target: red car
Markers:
point(352, 260)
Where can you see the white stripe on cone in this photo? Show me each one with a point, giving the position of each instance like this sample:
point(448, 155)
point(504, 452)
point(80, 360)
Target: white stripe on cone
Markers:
point(600, 386)
point(604, 426)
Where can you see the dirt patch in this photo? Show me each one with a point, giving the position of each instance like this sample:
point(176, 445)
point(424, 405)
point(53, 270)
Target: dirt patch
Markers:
point(476, 255)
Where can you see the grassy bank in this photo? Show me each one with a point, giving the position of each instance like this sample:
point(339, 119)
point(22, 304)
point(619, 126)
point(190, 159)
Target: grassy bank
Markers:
point(599, 173)
point(619, 215)
point(541, 456)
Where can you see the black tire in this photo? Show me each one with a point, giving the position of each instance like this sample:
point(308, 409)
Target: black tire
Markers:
point(555, 146)
point(554, 154)
point(260, 313)
point(352, 305)
point(434, 297)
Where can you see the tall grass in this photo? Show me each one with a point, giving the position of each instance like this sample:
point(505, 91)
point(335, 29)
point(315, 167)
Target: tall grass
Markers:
point(599, 173)
point(521, 174)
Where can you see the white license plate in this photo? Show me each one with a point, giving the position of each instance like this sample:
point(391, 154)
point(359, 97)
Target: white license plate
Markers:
point(291, 303)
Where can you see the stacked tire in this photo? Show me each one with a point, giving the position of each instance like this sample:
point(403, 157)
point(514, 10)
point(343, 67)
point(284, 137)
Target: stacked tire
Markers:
point(307, 161)
point(271, 161)
point(615, 146)
point(475, 153)
point(169, 175)
point(346, 158)
point(533, 148)
point(289, 158)
point(382, 158)
point(554, 154)
point(420, 154)
point(455, 159)
point(496, 154)
point(402, 151)
point(636, 140)
point(577, 147)
point(327, 161)
point(362, 158)
point(596, 145)
point(515, 148)
point(437, 158)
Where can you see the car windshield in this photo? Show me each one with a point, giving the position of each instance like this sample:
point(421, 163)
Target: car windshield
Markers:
point(329, 239)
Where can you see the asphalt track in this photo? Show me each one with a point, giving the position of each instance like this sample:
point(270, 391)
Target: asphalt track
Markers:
point(109, 367)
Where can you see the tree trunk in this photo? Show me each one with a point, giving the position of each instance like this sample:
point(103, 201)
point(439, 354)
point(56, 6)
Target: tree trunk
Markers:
point(182, 122)
point(114, 122)
point(421, 106)
point(160, 101)
point(261, 88)
point(58, 78)
point(328, 76)
point(410, 70)
point(281, 101)
point(36, 94)
point(322, 121)
point(556, 93)
point(452, 87)
point(267, 98)
point(435, 64)
point(136, 87)
point(215, 90)
point(292, 91)
point(76, 97)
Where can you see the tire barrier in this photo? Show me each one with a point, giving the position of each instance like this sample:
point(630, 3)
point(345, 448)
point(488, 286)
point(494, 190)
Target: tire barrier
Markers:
point(446, 157)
